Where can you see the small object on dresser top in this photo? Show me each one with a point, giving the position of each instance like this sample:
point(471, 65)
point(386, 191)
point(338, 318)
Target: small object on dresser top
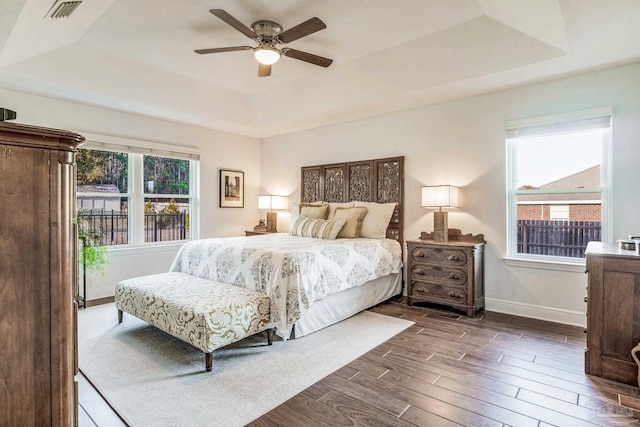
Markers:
point(628, 245)
point(6, 114)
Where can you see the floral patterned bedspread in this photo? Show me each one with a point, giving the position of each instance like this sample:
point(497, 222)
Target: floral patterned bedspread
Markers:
point(293, 271)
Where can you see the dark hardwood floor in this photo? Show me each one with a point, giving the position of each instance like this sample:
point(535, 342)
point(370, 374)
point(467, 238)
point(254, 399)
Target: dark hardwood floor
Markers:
point(447, 369)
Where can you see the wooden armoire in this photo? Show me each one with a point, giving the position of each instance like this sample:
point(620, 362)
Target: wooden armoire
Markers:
point(38, 274)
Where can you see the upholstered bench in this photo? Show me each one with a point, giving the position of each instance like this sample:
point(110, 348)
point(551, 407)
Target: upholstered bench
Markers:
point(203, 313)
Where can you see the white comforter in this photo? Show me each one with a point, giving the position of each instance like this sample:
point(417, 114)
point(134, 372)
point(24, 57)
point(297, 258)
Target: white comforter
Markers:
point(293, 271)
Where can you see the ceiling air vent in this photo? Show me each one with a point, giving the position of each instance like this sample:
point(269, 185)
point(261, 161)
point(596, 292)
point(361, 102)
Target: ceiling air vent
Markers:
point(62, 8)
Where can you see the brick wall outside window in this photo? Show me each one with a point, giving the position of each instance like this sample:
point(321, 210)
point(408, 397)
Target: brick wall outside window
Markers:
point(576, 212)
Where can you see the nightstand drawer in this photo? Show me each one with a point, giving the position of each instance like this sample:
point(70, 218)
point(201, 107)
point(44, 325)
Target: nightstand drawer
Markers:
point(432, 273)
point(434, 291)
point(439, 256)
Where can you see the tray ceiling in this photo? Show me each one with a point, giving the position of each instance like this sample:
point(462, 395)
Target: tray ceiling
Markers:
point(137, 55)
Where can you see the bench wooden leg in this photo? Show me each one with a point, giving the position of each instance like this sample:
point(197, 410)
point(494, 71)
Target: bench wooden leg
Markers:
point(119, 316)
point(269, 336)
point(208, 361)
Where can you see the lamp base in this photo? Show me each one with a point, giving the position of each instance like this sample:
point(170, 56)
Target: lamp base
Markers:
point(440, 227)
point(272, 222)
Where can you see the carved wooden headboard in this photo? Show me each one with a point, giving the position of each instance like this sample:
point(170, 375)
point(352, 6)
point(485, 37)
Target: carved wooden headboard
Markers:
point(378, 180)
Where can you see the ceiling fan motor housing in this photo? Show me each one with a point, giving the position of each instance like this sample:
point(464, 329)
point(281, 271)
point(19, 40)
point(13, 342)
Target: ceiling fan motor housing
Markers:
point(266, 29)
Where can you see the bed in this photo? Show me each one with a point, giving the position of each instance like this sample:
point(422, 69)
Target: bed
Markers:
point(316, 282)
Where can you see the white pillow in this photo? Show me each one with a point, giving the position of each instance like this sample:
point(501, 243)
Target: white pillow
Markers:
point(317, 228)
point(374, 225)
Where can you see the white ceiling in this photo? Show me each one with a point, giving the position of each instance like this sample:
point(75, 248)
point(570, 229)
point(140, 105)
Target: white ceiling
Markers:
point(137, 55)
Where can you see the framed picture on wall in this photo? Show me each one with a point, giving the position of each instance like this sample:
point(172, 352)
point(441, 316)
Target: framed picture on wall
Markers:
point(231, 188)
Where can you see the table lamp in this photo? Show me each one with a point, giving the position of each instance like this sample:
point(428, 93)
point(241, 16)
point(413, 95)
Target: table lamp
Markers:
point(440, 196)
point(271, 203)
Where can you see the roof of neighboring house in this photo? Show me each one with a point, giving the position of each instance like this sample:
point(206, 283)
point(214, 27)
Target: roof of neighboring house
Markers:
point(588, 178)
point(97, 188)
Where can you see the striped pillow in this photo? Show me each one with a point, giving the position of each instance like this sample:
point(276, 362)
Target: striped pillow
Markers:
point(317, 228)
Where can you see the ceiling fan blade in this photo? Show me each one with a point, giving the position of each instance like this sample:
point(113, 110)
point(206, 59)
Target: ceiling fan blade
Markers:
point(307, 57)
point(301, 30)
point(222, 49)
point(264, 70)
point(233, 22)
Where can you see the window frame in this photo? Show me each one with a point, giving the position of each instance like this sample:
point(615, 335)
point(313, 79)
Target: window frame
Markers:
point(544, 123)
point(136, 150)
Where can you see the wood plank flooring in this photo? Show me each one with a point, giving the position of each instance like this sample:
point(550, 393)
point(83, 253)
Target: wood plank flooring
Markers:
point(449, 370)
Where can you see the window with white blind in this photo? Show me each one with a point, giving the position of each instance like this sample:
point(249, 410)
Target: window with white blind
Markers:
point(135, 193)
point(558, 185)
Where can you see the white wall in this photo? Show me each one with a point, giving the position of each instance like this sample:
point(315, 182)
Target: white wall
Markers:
point(217, 150)
point(463, 143)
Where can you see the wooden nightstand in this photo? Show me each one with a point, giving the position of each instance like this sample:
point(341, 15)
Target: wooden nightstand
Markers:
point(448, 273)
point(256, 233)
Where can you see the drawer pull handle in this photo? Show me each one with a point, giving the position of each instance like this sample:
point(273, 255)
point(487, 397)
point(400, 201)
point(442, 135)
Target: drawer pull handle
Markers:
point(455, 294)
point(453, 258)
point(419, 271)
point(454, 276)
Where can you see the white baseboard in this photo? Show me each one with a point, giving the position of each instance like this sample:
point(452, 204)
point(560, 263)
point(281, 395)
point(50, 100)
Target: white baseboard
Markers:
point(539, 312)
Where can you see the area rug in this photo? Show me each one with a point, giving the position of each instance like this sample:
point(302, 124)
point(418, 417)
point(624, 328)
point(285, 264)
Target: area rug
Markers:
point(153, 379)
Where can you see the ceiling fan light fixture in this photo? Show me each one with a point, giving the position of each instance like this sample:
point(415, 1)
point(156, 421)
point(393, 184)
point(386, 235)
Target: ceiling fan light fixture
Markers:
point(266, 55)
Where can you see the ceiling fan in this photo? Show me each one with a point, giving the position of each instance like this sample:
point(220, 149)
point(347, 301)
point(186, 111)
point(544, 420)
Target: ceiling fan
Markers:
point(268, 34)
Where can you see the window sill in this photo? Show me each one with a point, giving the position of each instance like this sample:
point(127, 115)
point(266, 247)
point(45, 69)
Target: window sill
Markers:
point(578, 267)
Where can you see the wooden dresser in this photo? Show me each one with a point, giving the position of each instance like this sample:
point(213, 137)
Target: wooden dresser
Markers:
point(448, 273)
point(38, 270)
point(613, 312)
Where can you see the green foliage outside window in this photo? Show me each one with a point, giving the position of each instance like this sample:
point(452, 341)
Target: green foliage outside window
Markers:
point(167, 176)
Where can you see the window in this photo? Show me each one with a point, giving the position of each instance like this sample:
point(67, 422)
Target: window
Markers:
point(557, 172)
point(127, 197)
point(559, 212)
point(166, 199)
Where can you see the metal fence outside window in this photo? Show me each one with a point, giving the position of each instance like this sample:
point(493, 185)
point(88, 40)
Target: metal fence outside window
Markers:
point(113, 226)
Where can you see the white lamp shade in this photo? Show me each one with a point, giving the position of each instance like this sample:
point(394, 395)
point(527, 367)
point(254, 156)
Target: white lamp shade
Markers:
point(272, 202)
point(440, 196)
point(266, 56)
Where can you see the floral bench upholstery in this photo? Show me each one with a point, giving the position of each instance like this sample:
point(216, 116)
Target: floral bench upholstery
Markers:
point(203, 313)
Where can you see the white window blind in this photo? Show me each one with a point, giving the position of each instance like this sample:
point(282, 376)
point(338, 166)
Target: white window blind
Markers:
point(138, 146)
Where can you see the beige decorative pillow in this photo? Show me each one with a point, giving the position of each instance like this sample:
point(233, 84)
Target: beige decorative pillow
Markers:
point(317, 228)
point(311, 210)
point(374, 225)
point(353, 217)
point(333, 206)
